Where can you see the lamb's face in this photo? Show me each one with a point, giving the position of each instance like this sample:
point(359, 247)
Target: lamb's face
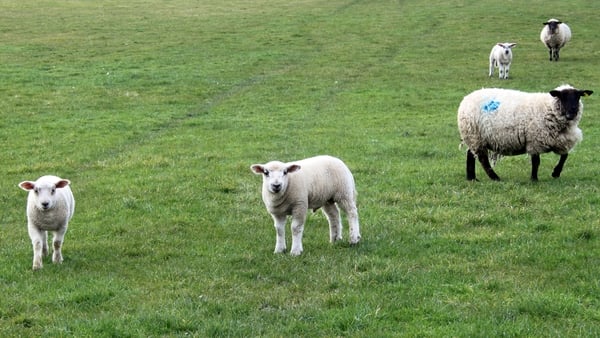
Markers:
point(506, 48)
point(275, 175)
point(43, 193)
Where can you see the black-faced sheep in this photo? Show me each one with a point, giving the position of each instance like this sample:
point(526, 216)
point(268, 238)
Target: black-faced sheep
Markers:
point(510, 122)
point(290, 189)
point(50, 206)
point(555, 35)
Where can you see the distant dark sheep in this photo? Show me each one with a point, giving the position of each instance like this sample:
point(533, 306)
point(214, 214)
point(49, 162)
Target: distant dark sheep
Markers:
point(555, 35)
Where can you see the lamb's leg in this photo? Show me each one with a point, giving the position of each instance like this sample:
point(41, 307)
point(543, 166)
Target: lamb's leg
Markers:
point(37, 237)
point(549, 51)
point(335, 222)
point(556, 56)
point(470, 166)
point(279, 221)
point(559, 166)
point(506, 69)
point(501, 72)
point(482, 155)
point(535, 165)
point(298, 219)
point(44, 243)
point(57, 241)
point(351, 212)
point(491, 68)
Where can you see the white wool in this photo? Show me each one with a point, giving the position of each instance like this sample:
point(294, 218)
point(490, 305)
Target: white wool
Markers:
point(290, 189)
point(50, 207)
point(501, 57)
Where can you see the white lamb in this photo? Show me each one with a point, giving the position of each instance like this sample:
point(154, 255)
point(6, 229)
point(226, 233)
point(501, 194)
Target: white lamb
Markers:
point(50, 206)
point(290, 189)
point(510, 122)
point(555, 35)
point(501, 58)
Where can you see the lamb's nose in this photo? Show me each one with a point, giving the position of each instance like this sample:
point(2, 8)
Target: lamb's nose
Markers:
point(276, 187)
point(45, 205)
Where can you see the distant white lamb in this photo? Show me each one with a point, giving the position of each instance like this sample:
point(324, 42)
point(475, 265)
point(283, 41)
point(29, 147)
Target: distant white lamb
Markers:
point(555, 35)
point(290, 189)
point(501, 58)
point(50, 206)
point(509, 122)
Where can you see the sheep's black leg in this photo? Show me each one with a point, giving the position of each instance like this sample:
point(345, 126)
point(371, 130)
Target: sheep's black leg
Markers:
point(559, 166)
point(482, 155)
point(550, 52)
point(535, 165)
point(470, 166)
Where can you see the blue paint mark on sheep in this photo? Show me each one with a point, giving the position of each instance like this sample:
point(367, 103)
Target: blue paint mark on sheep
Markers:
point(490, 106)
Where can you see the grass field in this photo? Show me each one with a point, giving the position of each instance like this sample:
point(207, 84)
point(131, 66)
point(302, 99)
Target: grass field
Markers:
point(155, 111)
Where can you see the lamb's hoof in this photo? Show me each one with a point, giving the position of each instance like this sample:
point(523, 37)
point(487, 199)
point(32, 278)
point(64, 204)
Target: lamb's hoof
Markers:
point(295, 252)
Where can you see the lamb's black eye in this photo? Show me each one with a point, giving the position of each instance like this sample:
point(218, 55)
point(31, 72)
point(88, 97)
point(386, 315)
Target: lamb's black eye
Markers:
point(53, 191)
point(36, 190)
point(266, 172)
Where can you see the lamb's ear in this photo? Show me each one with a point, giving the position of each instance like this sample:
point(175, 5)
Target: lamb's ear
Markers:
point(545, 23)
point(257, 169)
point(292, 168)
point(27, 185)
point(62, 183)
point(512, 45)
point(555, 93)
point(585, 93)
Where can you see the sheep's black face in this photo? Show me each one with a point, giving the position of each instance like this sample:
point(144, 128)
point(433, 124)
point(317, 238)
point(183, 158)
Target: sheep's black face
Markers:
point(569, 101)
point(552, 26)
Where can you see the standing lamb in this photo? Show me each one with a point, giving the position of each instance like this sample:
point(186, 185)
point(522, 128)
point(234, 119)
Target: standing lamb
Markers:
point(50, 206)
point(501, 58)
point(555, 35)
point(510, 122)
point(293, 188)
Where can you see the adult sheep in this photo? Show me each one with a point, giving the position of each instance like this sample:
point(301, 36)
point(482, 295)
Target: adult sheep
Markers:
point(50, 206)
point(290, 189)
point(510, 122)
point(555, 35)
point(501, 58)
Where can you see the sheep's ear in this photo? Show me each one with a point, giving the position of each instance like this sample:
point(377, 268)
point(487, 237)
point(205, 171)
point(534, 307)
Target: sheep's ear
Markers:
point(27, 185)
point(585, 93)
point(292, 168)
point(555, 93)
point(257, 169)
point(62, 183)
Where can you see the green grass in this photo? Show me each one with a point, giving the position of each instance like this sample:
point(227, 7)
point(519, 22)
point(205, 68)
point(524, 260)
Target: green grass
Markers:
point(156, 109)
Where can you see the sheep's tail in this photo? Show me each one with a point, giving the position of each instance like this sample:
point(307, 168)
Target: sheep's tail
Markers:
point(495, 157)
